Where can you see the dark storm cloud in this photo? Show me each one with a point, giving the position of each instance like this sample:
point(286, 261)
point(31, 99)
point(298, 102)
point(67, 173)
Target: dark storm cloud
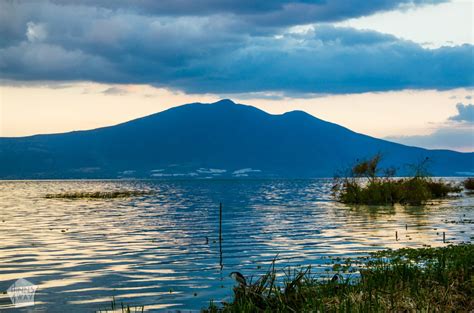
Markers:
point(217, 53)
point(274, 12)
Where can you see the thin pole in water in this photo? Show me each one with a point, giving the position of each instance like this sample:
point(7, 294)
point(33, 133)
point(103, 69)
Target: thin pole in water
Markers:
point(444, 237)
point(220, 235)
point(396, 235)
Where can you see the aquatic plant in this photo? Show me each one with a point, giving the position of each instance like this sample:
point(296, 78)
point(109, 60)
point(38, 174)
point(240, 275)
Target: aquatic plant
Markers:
point(122, 308)
point(363, 185)
point(405, 280)
point(469, 184)
point(97, 194)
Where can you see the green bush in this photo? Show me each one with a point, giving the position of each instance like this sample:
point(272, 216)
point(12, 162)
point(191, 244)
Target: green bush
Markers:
point(469, 183)
point(414, 191)
point(440, 189)
point(364, 187)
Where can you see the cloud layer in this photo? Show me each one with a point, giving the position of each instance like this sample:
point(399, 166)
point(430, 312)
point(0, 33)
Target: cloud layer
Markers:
point(220, 46)
point(263, 13)
point(457, 133)
point(465, 113)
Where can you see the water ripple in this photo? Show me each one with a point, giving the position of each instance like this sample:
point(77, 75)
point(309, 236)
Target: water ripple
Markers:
point(161, 250)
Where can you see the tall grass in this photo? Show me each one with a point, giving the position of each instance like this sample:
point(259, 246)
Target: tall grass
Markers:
point(367, 184)
point(406, 280)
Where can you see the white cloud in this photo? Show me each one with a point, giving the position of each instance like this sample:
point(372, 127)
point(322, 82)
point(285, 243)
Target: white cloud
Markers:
point(433, 26)
point(36, 32)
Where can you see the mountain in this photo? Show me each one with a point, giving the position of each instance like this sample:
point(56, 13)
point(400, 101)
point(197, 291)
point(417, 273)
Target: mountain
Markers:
point(221, 139)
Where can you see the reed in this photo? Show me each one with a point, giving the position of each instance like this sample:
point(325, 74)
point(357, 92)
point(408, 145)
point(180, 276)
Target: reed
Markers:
point(121, 308)
point(405, 280)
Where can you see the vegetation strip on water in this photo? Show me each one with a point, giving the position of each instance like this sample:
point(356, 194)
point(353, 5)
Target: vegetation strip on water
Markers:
point(98, 194)
point(404, 280)
point(364, 185)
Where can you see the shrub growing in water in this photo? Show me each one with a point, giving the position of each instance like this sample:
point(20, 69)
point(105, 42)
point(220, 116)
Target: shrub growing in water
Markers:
point(469, 184)
point(363, 186)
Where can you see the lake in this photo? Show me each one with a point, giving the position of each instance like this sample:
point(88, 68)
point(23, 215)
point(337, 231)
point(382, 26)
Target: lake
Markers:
point(161, 250)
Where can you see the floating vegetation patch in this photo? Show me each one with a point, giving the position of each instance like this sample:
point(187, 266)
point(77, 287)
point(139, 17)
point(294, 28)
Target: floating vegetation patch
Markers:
point(98, 194)
point(405, 280)
point(460, 221)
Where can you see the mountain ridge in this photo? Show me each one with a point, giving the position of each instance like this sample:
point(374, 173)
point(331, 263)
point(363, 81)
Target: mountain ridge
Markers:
point(221, 136)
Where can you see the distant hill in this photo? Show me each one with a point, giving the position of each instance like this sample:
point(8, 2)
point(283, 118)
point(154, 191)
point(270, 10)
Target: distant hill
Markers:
point(221, 139)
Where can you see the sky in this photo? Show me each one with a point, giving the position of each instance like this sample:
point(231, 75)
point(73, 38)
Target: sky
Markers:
point(402, 70)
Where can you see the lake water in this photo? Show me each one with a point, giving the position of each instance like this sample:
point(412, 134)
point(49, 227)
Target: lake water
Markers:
point(152, 250)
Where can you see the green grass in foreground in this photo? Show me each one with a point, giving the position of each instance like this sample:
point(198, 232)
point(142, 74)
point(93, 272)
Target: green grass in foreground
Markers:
point(97, 194)
point(405, 280)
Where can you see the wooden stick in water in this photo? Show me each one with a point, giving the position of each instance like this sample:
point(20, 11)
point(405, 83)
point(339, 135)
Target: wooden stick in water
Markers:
point(220, 235)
